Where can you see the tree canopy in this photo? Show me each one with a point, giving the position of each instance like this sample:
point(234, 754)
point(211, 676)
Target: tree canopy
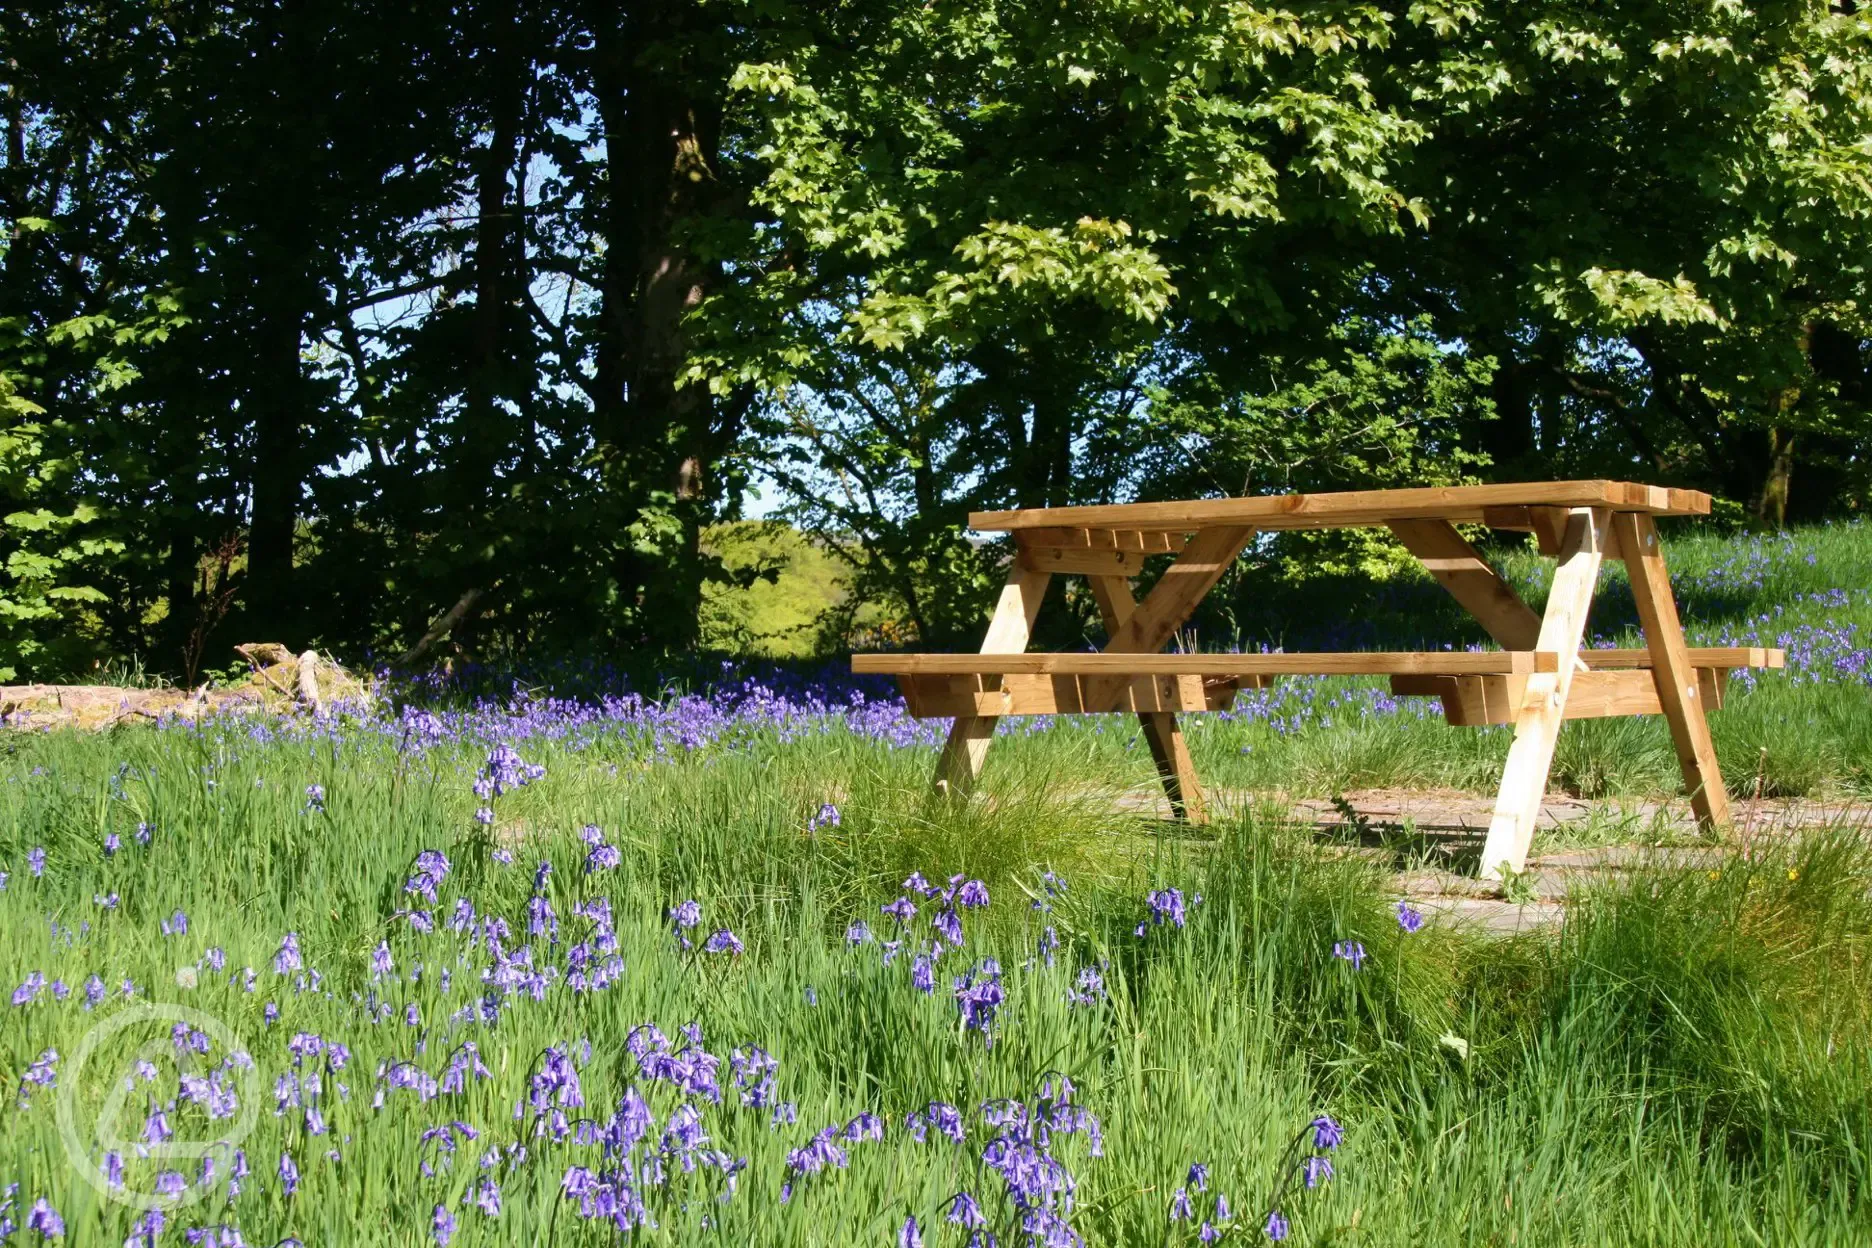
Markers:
point(320, 322)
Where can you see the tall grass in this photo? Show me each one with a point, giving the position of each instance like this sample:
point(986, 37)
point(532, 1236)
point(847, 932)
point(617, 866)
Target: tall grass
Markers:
point(1686, 1063)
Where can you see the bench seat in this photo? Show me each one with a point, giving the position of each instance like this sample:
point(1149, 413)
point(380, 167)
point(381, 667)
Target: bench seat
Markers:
point(1615, 682)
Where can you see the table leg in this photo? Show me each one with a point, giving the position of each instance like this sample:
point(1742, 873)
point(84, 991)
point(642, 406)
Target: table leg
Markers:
point(1009, 628)
point(1161, 732)
point(1537, 724)
point(1675, 679)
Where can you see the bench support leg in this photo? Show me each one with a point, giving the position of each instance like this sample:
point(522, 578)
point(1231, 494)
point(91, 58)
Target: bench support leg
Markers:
point(1009, 628)
point(1537, 723)
point(1676, 680)
point(1161, 732)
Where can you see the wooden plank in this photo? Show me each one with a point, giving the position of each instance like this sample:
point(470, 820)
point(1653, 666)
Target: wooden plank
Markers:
point(1009, 628)
point(1549, 526)
point(1130, 541)
point(1699, 656)
point(1351, 508)
point(1671, 670)
point(1162, 734)
point(1080, 561)
point(1471, 701)
point(1471, 581)
point(1124, 667)
point(942, 697)
point(1537, 723)
point(1167, 607)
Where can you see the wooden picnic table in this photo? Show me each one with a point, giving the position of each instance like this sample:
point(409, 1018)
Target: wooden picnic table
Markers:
point(1539, 678)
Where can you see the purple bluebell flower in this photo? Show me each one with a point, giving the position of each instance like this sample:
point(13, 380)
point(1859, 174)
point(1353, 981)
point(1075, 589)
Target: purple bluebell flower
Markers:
point(288, 1173)
point(46, 1220)
point(1166, 905)
point(722, 941)
point(1327, 1134)
point(948, 925)
point(175, 925)
point(602, 858)
point(857, 933)
point(113, 1168)
point(112, 843)
point(29, 988)
point(288, 960)
point(923, 974)
point(442, 1225)
point(143, 833)
point(315, 797)
point(427, 873)
point(972, 895)
point(903, 909)
point(1350, 951)
point(381, 963)
point(910, 1236)
point(1276, 1226)
point(964, 1210)
point(1180, 1210)
point(1198, 1177)
point(35, 860)
point(827, 817)
point(917, 884)
point(1409, 917)
point(866, 1126)
point(1316, 1171)
point(979, 996)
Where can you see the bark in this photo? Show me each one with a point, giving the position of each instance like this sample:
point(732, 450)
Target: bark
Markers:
point(445, 624)
point(1509, 438)
point(1771, 505)
point(660, 105)
point(498, 262)
point(275, 400)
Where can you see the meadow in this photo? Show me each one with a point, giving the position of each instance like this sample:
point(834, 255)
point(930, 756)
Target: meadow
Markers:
point(535, 958)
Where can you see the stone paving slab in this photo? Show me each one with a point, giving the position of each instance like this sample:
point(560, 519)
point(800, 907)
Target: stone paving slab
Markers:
point(1452, 823)
point(1492, 917)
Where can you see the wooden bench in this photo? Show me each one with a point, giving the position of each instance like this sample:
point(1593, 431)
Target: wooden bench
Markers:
point(1538, 679)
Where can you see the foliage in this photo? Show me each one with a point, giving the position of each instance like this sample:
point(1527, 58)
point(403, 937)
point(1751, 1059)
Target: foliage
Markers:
point(507, 326)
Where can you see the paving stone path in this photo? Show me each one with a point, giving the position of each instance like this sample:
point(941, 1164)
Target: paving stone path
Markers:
point(1444, 828)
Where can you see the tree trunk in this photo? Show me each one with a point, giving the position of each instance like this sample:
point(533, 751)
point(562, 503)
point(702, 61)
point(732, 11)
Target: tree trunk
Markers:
point(1771, 504)
point(498, 260)
point(275, 400)
point(661, 114)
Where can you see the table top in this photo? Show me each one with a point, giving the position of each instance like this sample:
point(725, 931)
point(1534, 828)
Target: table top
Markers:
point(1502, 506)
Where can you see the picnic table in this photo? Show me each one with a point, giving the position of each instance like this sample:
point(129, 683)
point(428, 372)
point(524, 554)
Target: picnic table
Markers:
point(1538, 679)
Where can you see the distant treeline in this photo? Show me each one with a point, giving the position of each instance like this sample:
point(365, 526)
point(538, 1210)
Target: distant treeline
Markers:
point(395, 328)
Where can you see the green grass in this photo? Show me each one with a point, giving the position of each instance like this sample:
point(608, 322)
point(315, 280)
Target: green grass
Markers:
point(1689, 1061)
point(1686, 1064)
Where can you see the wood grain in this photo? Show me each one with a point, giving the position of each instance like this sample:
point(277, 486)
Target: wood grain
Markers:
point(1351, 508)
